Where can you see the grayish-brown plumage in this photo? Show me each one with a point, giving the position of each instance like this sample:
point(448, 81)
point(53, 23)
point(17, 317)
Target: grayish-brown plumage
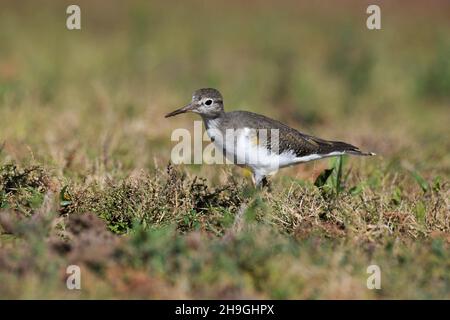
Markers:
point(291, 147)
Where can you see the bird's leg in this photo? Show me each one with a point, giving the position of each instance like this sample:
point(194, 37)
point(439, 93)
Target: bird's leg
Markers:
point(260, 181)
point(264, 183)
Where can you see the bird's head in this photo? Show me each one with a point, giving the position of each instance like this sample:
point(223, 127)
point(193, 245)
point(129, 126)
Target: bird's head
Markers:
point(207, 102)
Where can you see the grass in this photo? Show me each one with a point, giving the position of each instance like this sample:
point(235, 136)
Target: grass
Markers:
point(85, 174)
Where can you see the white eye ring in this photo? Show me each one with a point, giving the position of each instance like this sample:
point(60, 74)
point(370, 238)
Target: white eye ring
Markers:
point(208, 102)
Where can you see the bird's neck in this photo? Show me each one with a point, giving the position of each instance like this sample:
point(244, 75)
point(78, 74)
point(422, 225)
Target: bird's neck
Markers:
point(211, 122)
point(213, 116)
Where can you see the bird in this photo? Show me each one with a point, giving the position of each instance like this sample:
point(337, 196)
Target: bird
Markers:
point(257, 142)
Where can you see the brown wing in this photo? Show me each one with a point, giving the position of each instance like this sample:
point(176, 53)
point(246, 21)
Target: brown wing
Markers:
point(289, 139)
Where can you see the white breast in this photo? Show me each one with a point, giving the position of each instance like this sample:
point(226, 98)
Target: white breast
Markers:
point(241, 149)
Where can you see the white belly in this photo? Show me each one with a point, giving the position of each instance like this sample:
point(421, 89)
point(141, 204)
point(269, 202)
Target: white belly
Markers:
point(242, 149)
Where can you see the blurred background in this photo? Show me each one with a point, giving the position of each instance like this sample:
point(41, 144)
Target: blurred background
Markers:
point(84, 147)
point(94, 99)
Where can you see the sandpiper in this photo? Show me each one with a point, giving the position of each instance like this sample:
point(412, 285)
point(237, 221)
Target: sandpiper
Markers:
point(281, 147)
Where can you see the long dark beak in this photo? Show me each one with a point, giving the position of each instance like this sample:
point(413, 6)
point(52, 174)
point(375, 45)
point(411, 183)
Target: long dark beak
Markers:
point(186, 108)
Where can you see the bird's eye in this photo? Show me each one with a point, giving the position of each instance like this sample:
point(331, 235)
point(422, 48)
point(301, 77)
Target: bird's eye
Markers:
point(208, 102)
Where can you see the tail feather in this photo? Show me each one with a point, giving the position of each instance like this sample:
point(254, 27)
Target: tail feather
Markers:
point(327, 147)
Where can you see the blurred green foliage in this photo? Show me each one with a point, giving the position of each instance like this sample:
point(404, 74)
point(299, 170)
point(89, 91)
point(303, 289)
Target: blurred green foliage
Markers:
point(84, 150)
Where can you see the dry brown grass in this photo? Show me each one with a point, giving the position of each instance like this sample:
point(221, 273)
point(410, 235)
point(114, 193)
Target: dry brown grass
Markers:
point(84, 151)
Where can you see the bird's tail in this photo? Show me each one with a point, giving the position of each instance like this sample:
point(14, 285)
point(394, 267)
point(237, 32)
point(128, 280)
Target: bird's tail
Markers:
point(327, 147)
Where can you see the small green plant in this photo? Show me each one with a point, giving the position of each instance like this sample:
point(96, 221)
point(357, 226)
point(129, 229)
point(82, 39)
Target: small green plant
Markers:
point(336, 178)
point(420, 211)
point(22, 188)
point(330, 181)
point(396, 197)
point(437, 183)
point(356, 190)
point(322, 178)
point(65, 199)
point(424, 185)
point(190, 221)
